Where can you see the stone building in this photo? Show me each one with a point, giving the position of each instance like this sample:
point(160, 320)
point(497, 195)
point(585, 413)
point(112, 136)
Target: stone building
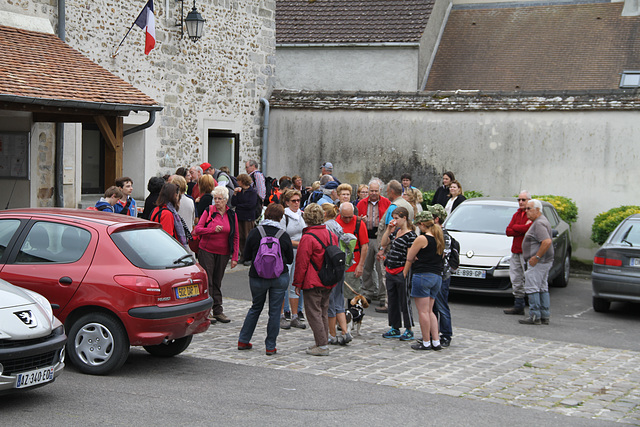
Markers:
point(207, 93)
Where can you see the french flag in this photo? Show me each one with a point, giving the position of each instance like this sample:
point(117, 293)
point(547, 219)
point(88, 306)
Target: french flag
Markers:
point(147, 21)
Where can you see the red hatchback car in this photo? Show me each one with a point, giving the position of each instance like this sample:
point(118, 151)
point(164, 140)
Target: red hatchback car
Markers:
point(113, 280)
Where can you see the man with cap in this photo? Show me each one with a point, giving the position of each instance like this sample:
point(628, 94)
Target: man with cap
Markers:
point(441, 303)
point(330, 193)
point(219, 178)
point(207, 168)
point(327, 169)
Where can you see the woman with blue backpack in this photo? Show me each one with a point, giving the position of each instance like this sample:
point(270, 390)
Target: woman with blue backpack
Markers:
point(270, 249)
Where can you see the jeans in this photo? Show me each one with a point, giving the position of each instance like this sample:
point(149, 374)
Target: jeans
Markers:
point(291, 290)
point(259, 289)
point(441, 309)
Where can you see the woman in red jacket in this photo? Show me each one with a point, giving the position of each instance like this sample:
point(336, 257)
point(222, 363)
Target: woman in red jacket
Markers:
point(166, 213)
point(306, 279)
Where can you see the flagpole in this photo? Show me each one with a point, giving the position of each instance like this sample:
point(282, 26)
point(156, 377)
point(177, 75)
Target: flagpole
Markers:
point(125, 36)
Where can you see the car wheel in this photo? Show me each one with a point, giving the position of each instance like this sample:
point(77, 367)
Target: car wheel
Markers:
point(601, 305)
point(97, 344)
point(172, 348)
point(563, 278)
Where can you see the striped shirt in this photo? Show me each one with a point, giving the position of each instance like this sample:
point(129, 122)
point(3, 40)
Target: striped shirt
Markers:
point(397, 255)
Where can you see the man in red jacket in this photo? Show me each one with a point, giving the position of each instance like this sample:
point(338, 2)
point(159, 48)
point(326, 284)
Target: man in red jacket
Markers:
point(517, 228)
point(371, 211)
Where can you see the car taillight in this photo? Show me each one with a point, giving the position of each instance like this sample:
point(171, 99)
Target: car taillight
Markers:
point(612, 262)
point(142, 284)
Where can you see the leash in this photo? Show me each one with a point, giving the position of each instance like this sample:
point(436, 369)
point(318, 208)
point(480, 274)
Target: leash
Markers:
point(350, 288)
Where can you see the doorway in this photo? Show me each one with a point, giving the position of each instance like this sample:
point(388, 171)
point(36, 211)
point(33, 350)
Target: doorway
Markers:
point(224, 150)
point(92, 160)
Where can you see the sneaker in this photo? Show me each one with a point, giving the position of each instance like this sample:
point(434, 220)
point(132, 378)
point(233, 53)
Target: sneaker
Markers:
point(271, 352)
point(296, 323)
point(348, 338)
point(420, 346)
point(533, 320)
point(300, 315)
point(341, 340)
point(244, 345)
point(382, 309)
point(437, 347)
point(333, 340)
point(222, 318)
point(317, 351)
point(544, 320)
point(212, 319)
point(287, 315)
point(247, 263)
point(407, 335)
point(444, 342)
point(284, 323)
point(391, 333)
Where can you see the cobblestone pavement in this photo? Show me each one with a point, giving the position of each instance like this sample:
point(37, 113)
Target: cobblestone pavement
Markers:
point(570, 379)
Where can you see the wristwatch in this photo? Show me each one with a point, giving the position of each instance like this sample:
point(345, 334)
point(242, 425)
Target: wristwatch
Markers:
point(538, 257)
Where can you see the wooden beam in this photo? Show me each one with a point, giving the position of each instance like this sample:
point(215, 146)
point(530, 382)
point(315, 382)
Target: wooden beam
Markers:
point(112, 130)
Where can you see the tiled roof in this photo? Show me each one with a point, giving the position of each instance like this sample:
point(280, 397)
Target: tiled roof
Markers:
point(546, 47)
point(40, 66)
point(351, 21)
point(616, 100)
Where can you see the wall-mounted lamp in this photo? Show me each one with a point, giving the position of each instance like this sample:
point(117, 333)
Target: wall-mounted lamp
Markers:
point(194, 22)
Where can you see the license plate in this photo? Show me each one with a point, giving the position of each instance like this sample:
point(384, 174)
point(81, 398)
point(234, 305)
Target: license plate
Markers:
point(475, 274)
point(31, 378)
point(187, 291)
point(635, 262)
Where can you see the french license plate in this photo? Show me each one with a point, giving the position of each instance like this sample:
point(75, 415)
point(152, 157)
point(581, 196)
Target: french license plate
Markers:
point(35, 377)
point(475, 274)
point(635, 262)
point(187, 291)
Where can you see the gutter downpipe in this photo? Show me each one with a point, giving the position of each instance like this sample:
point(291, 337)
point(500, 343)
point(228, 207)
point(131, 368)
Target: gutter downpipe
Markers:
point(59, 155)
point(147, 124)
point(265, 134)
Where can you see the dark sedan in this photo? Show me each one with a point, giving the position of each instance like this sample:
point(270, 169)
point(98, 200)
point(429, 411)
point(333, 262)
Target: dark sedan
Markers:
point(616, 266)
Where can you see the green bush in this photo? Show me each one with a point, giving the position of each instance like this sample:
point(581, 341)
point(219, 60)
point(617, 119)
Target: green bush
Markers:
point(427, 196)
point(606, 222)
point(565, 207)
point(472, 194)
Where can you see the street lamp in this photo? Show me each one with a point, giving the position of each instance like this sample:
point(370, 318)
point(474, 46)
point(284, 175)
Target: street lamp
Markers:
point(194, 22)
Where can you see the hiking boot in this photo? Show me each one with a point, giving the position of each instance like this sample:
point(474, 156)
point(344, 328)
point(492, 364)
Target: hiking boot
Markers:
point(382, 309)
point(300, 315)
point(347, 338)
point(407, 335)
point(533, 320)
point(317, 351)
point(296, 323)
point(333, 340)
point(222, 318)
point(284, 323)
point(544, 320)
point(514, 310)
point(340, 340)
point(271, 352)
point(244, 345)
point(392, 333)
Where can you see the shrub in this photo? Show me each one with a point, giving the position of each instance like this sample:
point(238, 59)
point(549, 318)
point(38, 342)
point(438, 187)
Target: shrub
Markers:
point(606, 222)
point(427, 196)
point(565, 207)
point(472, 194)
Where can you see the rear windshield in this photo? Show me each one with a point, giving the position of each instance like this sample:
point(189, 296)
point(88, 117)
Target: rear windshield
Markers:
point(473, 218)
point(151, 248)
point(628, 234)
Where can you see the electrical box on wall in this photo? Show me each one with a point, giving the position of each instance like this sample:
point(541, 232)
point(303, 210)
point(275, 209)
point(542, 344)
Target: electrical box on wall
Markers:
point(67, 176)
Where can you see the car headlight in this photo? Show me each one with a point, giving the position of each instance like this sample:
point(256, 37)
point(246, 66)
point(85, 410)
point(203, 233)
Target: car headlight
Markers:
point(505, 261)
point(42, 302)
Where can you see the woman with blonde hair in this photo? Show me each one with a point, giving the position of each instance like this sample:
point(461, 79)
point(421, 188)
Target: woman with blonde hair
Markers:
point(455, 197)
point(206, 183)
point(411, 196)
point(425, 261)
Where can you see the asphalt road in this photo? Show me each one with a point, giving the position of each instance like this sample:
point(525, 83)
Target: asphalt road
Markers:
point(193, 391)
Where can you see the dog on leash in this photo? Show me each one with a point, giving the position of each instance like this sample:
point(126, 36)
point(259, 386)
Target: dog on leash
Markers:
point(355, 313)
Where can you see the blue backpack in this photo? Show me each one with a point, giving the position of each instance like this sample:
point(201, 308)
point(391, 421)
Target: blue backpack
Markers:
point(268, 261)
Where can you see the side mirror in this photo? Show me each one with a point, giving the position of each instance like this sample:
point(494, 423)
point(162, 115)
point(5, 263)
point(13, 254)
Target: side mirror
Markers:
point(554, 233)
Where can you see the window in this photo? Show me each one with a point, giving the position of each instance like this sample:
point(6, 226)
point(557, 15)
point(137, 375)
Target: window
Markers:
point(52, 242)
point(8, 228)
point(630, 79)
point(551, 216)
point(151, 248)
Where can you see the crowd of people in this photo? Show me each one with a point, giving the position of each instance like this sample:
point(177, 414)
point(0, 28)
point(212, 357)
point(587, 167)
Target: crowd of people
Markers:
point(393, 248)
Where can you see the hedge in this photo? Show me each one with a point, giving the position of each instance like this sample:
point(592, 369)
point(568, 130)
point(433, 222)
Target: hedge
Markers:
point(565, 207)
point(427, 196)
point(606, 222)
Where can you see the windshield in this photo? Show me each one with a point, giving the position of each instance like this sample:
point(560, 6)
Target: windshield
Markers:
point(628, 234)
point(151, 248)
point(472, 218)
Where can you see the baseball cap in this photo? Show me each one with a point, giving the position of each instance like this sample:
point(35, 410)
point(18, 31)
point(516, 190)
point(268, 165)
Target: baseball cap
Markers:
point(331, 185)
point(424, 216)
point(327, 165)
point(438, 211)
point(205, 166)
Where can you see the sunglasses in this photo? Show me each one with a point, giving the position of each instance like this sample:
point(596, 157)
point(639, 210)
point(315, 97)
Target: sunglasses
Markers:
point(294, 201)
point(522, 200)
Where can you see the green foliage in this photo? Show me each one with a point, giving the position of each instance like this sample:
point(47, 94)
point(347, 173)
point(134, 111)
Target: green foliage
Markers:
point(472, 194)
point(606, 222)
point(427, 196)
point(566, 208)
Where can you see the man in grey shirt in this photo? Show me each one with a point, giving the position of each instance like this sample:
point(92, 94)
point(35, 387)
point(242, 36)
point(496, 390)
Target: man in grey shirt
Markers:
point(537, 249)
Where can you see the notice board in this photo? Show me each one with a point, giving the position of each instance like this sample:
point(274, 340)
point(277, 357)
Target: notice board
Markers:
point(14, 155)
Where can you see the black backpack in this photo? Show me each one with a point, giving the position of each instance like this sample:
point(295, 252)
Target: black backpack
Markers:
point(454, 255)
point(333, 265)
point(271, 185)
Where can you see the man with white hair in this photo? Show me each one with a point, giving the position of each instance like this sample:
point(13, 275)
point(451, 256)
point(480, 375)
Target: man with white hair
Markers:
point(330, 193)
point(517, 228)
point(196, 173)
point(537, 249)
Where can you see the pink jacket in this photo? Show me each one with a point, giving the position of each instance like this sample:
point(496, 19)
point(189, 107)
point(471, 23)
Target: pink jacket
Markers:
point(219, 242)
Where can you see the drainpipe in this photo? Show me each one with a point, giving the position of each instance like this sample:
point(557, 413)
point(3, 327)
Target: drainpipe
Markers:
point(265, 134)
point(148, 124)
point(59, 156)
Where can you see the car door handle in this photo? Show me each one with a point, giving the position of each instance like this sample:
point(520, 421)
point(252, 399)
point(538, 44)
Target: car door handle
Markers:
point(66, 280)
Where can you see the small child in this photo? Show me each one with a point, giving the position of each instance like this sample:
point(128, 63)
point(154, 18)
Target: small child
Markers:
point(111, 197)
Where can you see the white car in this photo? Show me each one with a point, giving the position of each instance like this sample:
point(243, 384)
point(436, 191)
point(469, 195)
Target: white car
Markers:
point(32, 340)
point(479, 225)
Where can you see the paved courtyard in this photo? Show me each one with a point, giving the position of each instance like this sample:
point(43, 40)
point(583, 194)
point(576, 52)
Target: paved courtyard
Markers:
point(570, 379)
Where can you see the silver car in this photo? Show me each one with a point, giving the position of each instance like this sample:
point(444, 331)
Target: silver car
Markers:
point(32, 340)
point(616, 266)
point(479, 225)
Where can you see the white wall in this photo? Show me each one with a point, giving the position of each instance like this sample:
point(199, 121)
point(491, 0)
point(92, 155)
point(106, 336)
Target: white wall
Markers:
point(591, 157)
point(347, 68)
